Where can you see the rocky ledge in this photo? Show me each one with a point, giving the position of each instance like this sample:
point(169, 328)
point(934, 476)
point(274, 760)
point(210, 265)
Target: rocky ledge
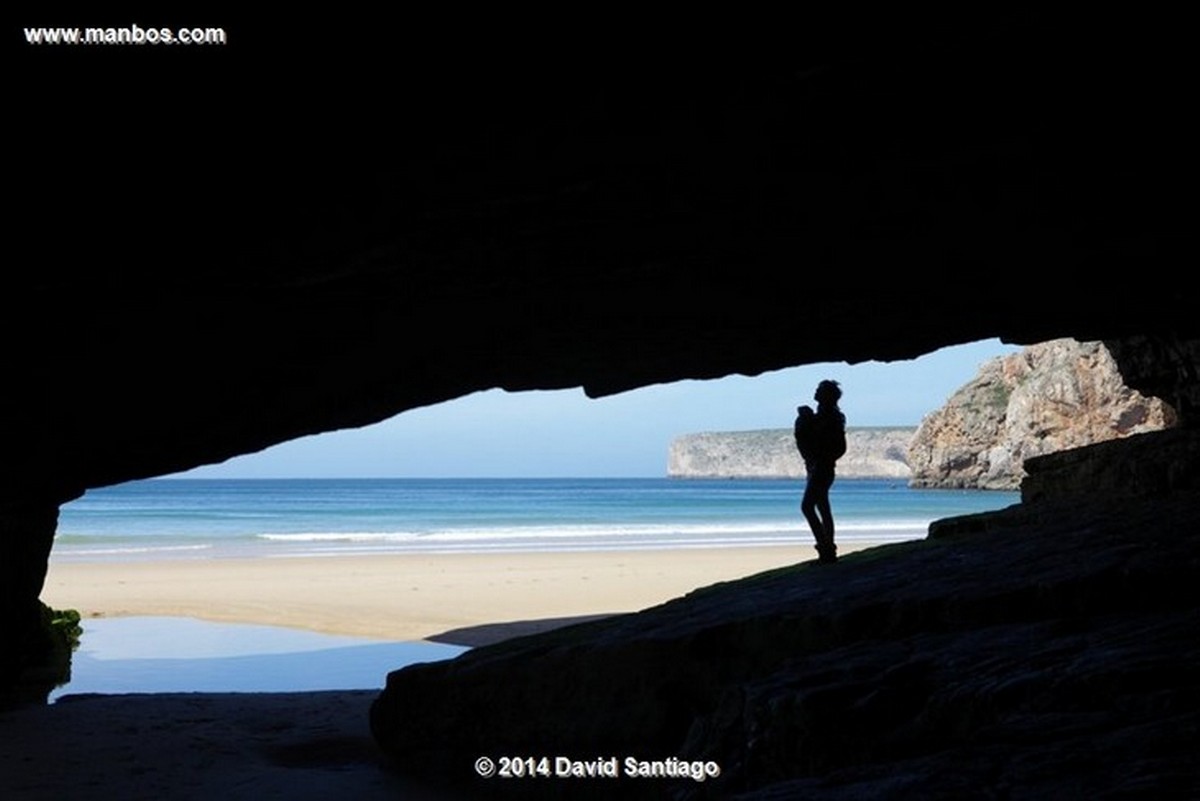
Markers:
point(1040, 652)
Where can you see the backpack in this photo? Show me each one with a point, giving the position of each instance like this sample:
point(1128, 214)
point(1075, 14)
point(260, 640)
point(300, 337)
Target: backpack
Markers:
point(805, 432)
point(821, 437)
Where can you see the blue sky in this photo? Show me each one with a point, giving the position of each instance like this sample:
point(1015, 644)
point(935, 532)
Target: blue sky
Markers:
point(566, 434)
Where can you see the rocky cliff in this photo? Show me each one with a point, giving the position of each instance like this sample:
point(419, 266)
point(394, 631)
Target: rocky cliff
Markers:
point(771, 453)
point(1050, 397)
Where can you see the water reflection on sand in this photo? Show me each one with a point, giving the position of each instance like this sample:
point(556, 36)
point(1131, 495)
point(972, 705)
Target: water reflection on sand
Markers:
point(172, 654)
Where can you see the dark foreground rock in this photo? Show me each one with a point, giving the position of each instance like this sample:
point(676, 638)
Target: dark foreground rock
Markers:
point(1048, 651)
point(310, 746)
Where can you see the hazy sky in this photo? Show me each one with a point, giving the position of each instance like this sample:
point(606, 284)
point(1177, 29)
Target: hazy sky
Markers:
point(566, 434)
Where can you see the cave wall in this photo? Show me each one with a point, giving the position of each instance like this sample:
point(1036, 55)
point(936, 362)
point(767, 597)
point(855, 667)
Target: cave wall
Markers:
point(1165, 367)
point(230, 248)
point(309, 229)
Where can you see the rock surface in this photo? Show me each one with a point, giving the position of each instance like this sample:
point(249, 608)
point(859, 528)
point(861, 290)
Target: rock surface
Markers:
point(1163, 367)
point(771, 453)
point(1053, 396)
point(236, 746)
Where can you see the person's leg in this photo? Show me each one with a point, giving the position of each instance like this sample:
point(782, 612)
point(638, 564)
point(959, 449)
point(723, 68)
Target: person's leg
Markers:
point(817, 495)
point(808, 506)
point(823, 506)
point(828, 547)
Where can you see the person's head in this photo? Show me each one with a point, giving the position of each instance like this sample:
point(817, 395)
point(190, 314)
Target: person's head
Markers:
point(828, 392)
point(804, 411)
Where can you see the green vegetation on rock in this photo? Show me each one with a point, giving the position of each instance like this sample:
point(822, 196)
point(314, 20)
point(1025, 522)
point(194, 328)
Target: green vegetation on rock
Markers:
point(63, 630)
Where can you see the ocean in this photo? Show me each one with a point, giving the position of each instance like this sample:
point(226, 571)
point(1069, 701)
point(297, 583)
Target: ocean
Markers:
point(280, 518)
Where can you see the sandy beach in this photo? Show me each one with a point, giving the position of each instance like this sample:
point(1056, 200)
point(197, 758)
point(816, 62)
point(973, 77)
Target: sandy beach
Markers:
point(311, 745)
point(466, 598)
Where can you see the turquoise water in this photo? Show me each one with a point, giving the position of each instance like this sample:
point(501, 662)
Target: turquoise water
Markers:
point(216, 518)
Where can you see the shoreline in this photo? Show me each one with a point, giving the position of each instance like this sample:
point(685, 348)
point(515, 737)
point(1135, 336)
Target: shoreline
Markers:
point(464, 598)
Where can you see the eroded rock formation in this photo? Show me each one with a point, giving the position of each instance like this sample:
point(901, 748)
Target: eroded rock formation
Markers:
point(771, 453)
point(1053, 396)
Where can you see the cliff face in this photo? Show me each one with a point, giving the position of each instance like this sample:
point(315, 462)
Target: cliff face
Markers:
point(771, 453)
point(1050, 397)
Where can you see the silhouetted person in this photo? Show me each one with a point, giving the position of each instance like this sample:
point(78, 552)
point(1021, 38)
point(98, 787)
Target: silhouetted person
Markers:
point(821, 439)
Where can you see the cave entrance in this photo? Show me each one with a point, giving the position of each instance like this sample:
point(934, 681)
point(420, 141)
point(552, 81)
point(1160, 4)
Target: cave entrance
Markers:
point(435, 524)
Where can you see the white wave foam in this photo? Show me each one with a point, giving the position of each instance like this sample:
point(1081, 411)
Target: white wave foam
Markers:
point(123, 551)
point(576, 531)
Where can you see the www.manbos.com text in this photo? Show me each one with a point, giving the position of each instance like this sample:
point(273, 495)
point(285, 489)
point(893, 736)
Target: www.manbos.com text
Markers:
point(131, 35)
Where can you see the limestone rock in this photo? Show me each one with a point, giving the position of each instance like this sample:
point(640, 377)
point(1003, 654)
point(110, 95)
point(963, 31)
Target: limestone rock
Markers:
point(771, 453)
point(1050, 397)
